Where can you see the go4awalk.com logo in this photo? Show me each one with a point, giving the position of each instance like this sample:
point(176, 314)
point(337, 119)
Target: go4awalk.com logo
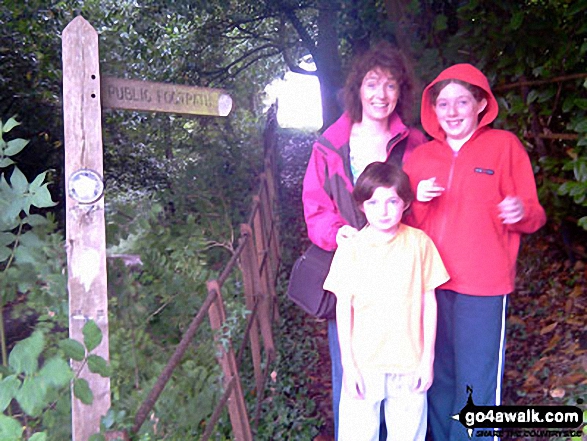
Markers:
point(501, 418)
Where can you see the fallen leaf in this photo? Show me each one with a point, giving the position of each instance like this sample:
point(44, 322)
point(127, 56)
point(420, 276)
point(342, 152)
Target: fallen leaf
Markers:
point(557, 392)
point(548, 328)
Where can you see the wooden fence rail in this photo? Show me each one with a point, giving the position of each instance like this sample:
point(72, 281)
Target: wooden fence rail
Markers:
point(257, 256)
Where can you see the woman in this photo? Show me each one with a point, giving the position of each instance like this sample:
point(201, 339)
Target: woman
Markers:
point(476, 196)
point(377, 95)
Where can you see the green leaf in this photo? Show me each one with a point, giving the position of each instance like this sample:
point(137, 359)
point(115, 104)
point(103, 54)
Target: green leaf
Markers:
point(532, 96)
point(56, 372)
point(10, 429)
point(82, 391)
point(31, 396)
point(15, 146)
point(8, 388)
point(440, 23)
point(5, 162)
point(73, 349)
point(517, 19)
point(97, 437)
point(92, 335)
point(35, 220)
point(19, 182)
point(98, 365)
point(5, 253)
point(10, 124)
point(581, 126)
point(581, 103)
point(6, 238)
point(24, 357)
point(39, 436)
point(24, 254)
point(41, 197)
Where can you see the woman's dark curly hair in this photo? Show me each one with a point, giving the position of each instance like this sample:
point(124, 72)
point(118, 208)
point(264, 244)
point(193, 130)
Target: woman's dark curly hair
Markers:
point(386, 57)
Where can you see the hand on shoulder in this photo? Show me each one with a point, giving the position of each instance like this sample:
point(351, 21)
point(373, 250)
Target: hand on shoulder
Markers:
point(344, 233)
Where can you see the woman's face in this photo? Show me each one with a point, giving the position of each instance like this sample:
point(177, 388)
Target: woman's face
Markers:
point(458, 111)
point(379, 95)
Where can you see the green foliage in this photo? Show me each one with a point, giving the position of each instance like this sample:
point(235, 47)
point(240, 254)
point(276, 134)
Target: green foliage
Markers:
point(38, 380)
point(25, 236)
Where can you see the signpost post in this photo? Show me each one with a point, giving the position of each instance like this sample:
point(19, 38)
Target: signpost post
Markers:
point(84, 94)
point(85, 225)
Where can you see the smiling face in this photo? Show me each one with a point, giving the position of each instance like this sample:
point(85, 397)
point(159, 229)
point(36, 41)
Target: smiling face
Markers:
point(379, 95)
point(384, 210)
point(457, 111)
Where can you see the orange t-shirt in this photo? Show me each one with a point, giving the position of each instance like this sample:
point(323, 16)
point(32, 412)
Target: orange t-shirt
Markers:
point(386, 282)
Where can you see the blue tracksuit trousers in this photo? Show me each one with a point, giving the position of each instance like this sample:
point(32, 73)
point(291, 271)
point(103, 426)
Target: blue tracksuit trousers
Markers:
point(470, 349)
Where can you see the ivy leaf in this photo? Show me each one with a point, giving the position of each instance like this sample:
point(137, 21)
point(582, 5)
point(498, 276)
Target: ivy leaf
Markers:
point(25, 354)
point(92, 335)
point(73, 349)
point(31, 396)
point(56, 372)
point(82, 391)
point(10, 429)
point(8, 388)
point(98, 365)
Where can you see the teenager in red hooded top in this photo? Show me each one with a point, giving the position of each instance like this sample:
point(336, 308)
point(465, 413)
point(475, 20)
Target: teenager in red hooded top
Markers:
point(476, 196)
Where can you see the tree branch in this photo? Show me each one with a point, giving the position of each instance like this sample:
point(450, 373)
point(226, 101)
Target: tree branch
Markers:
point(523, 83)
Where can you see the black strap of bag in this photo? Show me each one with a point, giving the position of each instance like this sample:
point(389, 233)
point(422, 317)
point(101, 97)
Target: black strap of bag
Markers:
point(397, 154)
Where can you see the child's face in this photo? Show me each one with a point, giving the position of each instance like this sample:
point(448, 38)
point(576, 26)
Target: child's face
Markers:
point(384, 210)
point(457, 111)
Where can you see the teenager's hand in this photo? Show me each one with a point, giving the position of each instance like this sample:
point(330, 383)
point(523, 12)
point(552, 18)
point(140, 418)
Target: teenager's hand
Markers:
point(511, 210)
point(345, 232)
point(428, 190)
point(423, 377)
point(353, 382)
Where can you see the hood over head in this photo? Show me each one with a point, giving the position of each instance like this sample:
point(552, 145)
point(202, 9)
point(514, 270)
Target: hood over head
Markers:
point(463, 72)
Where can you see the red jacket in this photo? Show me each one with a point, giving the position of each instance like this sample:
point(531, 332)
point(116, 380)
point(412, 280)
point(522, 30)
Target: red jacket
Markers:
point(328, 183)
point(479, 251)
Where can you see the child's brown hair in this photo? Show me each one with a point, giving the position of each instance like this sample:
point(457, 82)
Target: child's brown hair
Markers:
point(382, 174)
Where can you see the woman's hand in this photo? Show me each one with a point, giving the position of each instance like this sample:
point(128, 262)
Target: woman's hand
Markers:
point(428, 189)
point(353, 382)
point(511, 210)
point(345, 232)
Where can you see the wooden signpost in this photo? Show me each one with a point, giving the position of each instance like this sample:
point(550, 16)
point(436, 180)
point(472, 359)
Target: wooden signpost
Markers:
point(84, 94)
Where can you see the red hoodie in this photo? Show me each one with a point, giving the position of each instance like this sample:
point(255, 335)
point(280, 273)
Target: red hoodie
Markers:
point(479, 251)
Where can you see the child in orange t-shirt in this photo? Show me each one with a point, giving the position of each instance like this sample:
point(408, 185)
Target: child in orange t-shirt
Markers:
point(384, 278)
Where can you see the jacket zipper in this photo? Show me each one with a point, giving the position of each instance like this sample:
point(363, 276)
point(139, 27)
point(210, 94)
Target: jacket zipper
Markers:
point(447, 189)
